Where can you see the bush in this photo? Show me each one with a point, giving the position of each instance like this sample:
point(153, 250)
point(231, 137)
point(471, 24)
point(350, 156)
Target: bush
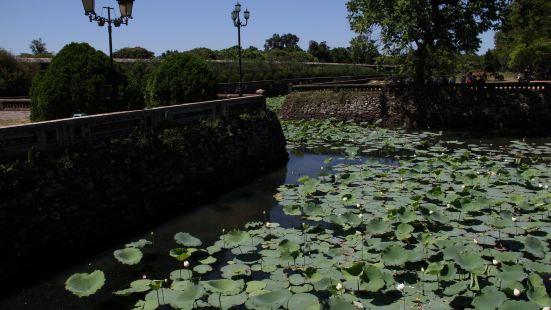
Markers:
point(80, 79)
point(133, 53)
point(15, 78)
point(180, 78)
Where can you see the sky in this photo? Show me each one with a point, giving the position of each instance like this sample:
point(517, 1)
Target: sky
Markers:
point(161, 25)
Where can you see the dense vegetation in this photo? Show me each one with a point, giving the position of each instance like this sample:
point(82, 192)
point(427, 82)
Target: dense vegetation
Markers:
point(80, 80)
point(433, 223)
point(15, 77)
point(180, 78)
point(133, 53)
point(525, 39)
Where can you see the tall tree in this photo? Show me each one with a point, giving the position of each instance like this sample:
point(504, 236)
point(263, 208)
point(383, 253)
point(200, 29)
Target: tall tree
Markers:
point(320, 50)
point(38, 47)
point(525, 38)
point(341, 55)
point(425, 26)
point(133, 53)
point(286, 41)
point(363, 50)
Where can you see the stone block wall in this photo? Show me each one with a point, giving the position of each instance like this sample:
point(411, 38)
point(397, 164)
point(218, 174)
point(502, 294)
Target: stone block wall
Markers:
point(435, 108)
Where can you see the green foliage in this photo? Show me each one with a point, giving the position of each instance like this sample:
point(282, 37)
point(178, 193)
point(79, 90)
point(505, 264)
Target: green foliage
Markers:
point(363, 50)
point(180, 78)
point(38, 49)
point(133, 53)
point(15, 78)
point(524, 40)
point(429, 26)
point(321, 51)
point(491, 62)
point(80, 79)
point(286, 41)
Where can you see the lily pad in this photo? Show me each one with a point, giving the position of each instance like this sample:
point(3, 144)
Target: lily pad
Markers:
point(85, 284)
point(128, 256)
point(187, 240)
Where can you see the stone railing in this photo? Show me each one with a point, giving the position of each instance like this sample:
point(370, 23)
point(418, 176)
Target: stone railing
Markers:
point(507, 86)
point(15, 104)
point(53, 135)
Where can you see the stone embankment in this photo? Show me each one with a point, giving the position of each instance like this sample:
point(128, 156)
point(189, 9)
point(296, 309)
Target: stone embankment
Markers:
point(492, 106)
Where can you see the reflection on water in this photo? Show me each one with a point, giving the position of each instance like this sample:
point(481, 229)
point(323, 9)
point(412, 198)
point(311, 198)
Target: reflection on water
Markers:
point(206, 222)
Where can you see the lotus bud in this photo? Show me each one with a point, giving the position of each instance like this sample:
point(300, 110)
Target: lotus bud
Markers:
point(400, 287)
point(448, 206)
point(186, 264)
point(339, 286)
point(422, 269)
point(321, 167)
point(475, 241)
point(358, 233)
point(546, 186)
point(144, 277)
point(516, 292)
point(495, 262)
point(514, 219)
point(431, 212)
point(166, 280)
point(358, 305)
point(344, 198)
point(360, 215)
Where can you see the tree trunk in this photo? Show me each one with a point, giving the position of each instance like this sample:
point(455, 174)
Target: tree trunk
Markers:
point(420, 61)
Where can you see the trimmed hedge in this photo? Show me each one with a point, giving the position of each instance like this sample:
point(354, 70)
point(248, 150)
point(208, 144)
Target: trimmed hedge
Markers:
point(180, 78)
point(80, 80)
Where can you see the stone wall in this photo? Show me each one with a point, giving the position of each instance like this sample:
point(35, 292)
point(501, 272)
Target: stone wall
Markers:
point(65, 205)
point(435, 108)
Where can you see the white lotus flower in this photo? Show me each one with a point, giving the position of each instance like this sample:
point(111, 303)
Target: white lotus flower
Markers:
point(400, 287)
point(344, 198)
point(339, 286)
point(360, 215)
point(186, 264)
point(546, 186)
point(475, 241)
point(516, 292)
point(358, 305)
point(357, 205)
point(495, 262)
point(321, 167)
point(514, 219)
point(431, 212)
point(546, 308)
point(540, 185)
point(448, 206)
point(144, 277)
point(358, 233)
point(422, 269)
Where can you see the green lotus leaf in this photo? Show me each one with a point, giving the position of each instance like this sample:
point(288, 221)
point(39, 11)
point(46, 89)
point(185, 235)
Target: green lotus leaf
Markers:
point(438, 216)
point(471, 262)
point(394, 255)
point(535, 247)
point(434, 268)
point(181, 275)
point(255, 286)
point(512, 273)
point(296, 279)
point(288, 246)
point(270, 300)
point(377, 226)
point(230, 271)
point(202, 269)
point(339, 303)
point(372, 279)
point(146, 305)
point(140, 244)
point(353, 272)
point(224, 286)
point(537, 292)
point(85, 284)
point(138, 286)
point(448, 272)
point(187, 293)
point(303, 301)
point(311, 209)
point(518, 305)
point(403, 231)
point(236, 238)
point(181, 254)
point(456, 288)
point(187, 240)
point(208, 261)
point(292, 210)
point(227, 302)
point(128, 256)
point(490, 299)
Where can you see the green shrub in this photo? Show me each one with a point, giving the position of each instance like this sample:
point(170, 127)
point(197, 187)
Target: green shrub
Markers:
point(80, 79)
point(15, 78)
point(180, 78)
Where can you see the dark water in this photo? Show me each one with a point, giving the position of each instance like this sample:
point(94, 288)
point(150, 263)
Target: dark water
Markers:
point(206, 222)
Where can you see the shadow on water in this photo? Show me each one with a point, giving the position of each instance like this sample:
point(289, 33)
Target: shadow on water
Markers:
point(206, 222)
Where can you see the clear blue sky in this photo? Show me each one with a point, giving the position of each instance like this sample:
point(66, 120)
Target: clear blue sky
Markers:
point(160, 25)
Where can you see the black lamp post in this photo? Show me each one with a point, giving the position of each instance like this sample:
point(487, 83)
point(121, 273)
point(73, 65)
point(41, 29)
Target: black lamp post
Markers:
point(125, 7)
point(235, 16)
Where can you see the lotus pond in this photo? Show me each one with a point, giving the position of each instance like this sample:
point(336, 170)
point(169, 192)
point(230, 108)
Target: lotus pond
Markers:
point(397, 220)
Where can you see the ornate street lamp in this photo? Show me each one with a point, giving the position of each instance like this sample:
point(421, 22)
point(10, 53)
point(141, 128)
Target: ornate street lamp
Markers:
point(125, 7)
point(235, 16)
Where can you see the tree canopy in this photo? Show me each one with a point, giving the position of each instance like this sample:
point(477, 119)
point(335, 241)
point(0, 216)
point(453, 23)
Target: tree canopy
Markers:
point(286, 41)
point(426, 26)
point(133, 53)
